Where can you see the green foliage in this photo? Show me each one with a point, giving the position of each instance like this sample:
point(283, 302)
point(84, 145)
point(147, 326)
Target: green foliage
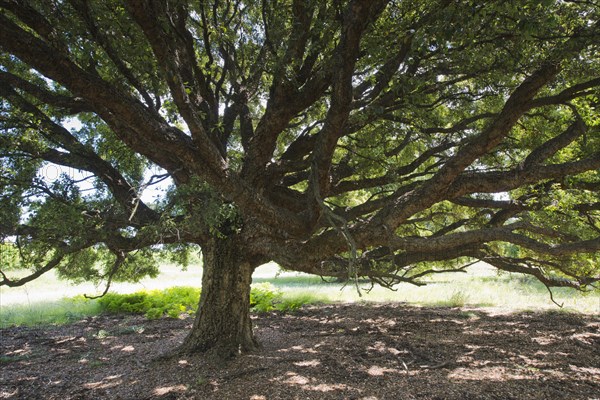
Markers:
point(508, 291)
point(263, 297)
point(97, 134)
point(206, 209)
point(182, 254)
point(175, 301)
point(429, 94)
point(13, 358)
point(294, 302)
point(137, 266)
point(9, 256)
point(155, 303)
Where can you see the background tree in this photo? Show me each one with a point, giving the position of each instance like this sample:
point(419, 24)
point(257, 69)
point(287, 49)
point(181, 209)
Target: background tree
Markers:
point(363, 138)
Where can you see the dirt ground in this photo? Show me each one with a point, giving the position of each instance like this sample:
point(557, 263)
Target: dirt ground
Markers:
point(323, 352)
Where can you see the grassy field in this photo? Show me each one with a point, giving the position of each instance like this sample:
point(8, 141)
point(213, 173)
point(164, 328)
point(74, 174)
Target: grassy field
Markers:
point(48, 300)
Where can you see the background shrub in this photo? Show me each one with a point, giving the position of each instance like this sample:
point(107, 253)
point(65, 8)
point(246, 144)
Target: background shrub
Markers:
point(175, 301)
point(263, 297)
point(154, 303)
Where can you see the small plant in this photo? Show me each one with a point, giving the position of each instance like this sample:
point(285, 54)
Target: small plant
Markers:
point(154, 313)
point(467, 315)
point(95, 363)
point(263, 297)
point(458, 299)
point(153, 304)
point(102, 334)
point(128, 330)
point(201, 380)
point(12, 359)
point(175, 301)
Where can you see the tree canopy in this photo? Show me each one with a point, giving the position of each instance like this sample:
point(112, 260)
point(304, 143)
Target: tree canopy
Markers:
point(387, 139)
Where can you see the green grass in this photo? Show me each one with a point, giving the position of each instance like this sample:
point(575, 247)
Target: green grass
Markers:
point(43, 313)
point(292, 301)
point(50, 301)
point(481, 287)
point(49, 288)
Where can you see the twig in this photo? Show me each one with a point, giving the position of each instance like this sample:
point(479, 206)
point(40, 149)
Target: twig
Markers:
point(118, 262)
point(342, 229)
point(552, 297)
point(436, 366)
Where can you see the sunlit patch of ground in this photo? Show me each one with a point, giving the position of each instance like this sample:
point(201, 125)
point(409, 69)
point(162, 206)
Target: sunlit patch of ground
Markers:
point(320, 352)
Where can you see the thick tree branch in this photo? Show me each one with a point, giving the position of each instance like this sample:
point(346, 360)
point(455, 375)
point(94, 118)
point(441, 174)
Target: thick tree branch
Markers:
point(286, 101)
point(53, 263)
point(521, 266)
point(356, 20)
point(393, 175)
point(80, 157)
point(84, 11)
point(552, 146)
point(72, 105)
point(137, 127)
point(130, 119)
point(570, 93)
point(516, 105)
point(504, 181)
point(173, 46)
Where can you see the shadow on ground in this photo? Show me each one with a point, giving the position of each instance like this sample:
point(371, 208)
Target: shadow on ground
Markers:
point(325, 352)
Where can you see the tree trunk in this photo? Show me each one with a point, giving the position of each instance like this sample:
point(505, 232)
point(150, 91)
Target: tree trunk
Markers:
point(222, 325)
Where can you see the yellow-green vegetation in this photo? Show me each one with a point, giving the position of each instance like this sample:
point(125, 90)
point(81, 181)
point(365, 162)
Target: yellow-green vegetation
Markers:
point(275, 290)
point(154, 303)
point(175, 301)
point(171, 302)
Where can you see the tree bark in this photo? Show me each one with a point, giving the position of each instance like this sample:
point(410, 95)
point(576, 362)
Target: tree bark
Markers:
point(222, 325)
